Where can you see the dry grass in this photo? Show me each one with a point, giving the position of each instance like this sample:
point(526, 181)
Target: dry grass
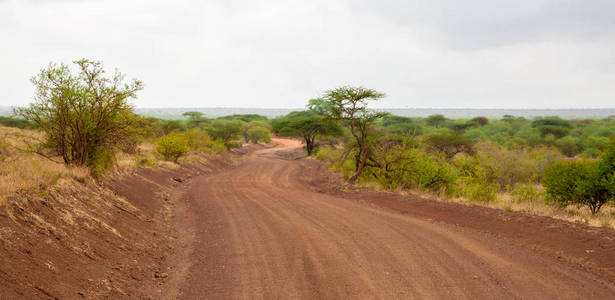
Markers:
point(21, 171)
point(537, 206)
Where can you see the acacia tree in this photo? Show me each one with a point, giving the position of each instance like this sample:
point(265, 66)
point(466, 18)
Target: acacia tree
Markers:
point(349, 104)
point(307, 125)
point(84, 115)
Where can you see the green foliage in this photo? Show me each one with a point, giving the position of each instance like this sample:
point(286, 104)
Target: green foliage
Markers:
point(15, 122)
point(569, 146)
point(245, 117)
point(477, 190)
point(225, 131)
point(246, 127)
point(172, 146)
point(101, 162)
point(582, 182)
point(349, 105)
point(552, 126)
point(436, 120)
point(450, 144)
point(401, 125)
point(308, 126)
point(84, 115)
point(169, 126)
point(258, 134)
point(194, 118)
point(480, 121)
point(408, 167)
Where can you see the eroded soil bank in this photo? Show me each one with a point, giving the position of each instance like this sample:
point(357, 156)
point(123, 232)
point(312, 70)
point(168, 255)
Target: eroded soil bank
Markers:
point(93, 240)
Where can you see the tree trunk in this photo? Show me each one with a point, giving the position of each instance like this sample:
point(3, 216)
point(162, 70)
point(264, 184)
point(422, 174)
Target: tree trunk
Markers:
point(360, 166)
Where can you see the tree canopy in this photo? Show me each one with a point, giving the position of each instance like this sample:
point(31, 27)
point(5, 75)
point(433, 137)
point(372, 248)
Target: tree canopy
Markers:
point(84, 115)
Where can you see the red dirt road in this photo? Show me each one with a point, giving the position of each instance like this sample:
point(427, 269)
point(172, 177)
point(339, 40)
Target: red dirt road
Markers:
point(259, 231)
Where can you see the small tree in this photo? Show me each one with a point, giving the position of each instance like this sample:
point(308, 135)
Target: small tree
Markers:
point(450, 144)
point(226, 131)
point(436, 120)
point(247, 126)
point(584, 182)
point(84, 115)
point(194, 118)
point(480, 121)
point(349, 104)
point(172, 146)
point(193, 115)
point(307, 125)
point(259, 134)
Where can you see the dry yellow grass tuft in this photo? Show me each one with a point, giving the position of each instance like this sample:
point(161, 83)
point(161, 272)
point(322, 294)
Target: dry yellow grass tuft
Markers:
point(22, 171)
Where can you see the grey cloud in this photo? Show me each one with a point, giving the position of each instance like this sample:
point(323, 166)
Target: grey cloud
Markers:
point(476, 24)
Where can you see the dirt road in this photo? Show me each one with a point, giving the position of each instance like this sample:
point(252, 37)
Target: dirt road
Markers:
point(258, 231)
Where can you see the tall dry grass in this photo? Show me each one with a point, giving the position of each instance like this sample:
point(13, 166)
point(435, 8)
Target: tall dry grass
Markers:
point(24, 171)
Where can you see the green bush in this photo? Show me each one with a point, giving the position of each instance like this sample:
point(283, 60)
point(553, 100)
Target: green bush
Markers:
point(172, 146)
point(258, 134)
point(568, 145)
point(412, 168)
point(101, 162)
point(580, 182)
point(450, 144)
point(476, 191)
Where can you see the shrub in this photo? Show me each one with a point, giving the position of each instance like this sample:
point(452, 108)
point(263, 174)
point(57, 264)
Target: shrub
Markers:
point(408, 167)
point(198, 139)
point(580, 182)
point(476, 191)
point(450, 144)
point(480, 121)
point(568, 145)
point(258, 134)
point(84, 113)
point(14, 122)
point(172, 146)
point(225, 131)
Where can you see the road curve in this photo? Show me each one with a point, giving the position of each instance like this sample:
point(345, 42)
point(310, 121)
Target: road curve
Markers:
point(257, 232)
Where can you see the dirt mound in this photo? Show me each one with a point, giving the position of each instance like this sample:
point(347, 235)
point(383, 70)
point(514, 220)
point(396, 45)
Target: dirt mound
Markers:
point(92, 240)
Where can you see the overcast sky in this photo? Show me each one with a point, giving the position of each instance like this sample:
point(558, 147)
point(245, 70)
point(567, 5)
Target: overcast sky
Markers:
point(278, 54)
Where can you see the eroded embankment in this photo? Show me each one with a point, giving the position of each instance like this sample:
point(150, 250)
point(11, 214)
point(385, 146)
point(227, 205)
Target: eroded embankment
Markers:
point(93, 240)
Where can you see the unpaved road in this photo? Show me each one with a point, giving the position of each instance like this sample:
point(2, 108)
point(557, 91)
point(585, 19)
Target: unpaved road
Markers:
point(258, 231)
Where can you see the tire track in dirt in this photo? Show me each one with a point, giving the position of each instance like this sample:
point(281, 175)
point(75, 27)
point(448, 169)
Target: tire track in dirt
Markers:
point(262, 234)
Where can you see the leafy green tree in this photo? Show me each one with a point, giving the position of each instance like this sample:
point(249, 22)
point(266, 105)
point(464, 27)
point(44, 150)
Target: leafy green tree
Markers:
point(259, 134)
point(172, 146)
point(245, 117)
point(307, 125)
point(578, 182)
point(450, 144)
point(480, 121)
point(193, 115)
point(226, 131)
point(85, 114)
point(349, 104)
point(194, 118)
point(436, 120)
point(552, 126)
point(245, 128)
point(568, 145)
